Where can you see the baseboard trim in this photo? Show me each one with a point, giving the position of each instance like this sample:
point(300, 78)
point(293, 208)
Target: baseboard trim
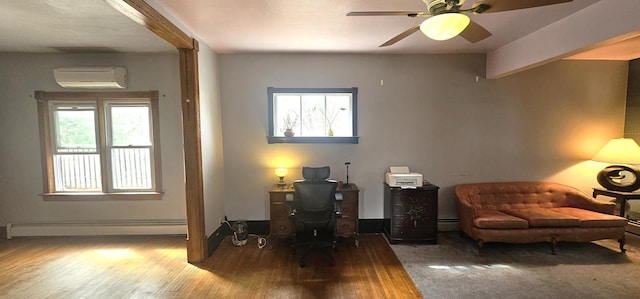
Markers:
point(98, 228)
point(365, 226)
point(370, 226)
point(214, 241)
point(448, 225)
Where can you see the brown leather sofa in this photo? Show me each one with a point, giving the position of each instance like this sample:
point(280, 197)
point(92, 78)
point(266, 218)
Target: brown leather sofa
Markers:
point(528, 212)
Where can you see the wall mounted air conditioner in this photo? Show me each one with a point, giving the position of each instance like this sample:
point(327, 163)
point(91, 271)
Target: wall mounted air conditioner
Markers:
point(91, 77)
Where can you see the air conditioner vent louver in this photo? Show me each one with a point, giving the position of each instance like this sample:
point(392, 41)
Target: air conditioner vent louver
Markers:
point(91, 77)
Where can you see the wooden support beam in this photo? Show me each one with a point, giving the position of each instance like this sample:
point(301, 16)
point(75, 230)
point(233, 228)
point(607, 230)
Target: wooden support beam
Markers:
point(142, 13)
point(197, 242)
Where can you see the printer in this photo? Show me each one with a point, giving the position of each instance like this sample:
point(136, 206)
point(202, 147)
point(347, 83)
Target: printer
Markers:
point(400, 176)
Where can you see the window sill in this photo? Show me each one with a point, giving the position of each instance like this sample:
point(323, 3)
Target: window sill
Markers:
point(279, 139)
point(101, 196)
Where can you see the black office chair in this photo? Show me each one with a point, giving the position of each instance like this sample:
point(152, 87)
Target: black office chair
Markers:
point(314, 213)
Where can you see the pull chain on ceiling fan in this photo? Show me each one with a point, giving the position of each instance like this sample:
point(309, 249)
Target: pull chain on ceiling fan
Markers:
point(446, 18)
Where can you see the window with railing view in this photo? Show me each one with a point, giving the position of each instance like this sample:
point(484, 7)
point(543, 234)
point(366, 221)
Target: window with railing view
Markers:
point(100, 144)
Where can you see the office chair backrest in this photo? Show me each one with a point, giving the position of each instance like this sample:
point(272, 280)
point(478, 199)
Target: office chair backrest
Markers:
point(316, 174)
point(315, 196)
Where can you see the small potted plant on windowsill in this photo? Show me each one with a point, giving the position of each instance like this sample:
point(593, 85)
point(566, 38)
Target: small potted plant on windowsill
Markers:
point(289, 123)
point(330, 121)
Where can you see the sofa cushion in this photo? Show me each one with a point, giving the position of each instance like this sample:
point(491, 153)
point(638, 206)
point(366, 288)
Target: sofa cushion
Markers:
point(538, 217)
point(591, 218)
point(498, 220)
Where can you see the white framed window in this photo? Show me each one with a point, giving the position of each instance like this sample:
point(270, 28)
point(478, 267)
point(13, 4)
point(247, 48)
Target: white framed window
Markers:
point(100, 145)
point(312, 115)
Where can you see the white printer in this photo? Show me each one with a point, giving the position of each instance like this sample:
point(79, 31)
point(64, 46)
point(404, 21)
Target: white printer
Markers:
point(400, 176)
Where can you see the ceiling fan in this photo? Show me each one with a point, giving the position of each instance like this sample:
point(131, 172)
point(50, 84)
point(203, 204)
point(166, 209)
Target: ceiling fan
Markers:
point(446, 18)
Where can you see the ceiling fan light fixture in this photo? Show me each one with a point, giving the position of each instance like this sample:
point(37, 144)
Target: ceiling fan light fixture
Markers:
point(444, 26)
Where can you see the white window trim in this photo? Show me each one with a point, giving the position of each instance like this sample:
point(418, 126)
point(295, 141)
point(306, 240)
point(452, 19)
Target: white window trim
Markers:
point(47, 149)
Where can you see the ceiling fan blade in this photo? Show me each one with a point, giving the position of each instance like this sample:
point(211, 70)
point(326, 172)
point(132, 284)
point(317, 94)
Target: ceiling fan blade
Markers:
point(474, 32)
point(402, 35)
point(386, 13)
point(504, 5)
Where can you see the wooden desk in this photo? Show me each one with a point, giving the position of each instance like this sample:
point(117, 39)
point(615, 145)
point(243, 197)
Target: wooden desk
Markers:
point(280, 208)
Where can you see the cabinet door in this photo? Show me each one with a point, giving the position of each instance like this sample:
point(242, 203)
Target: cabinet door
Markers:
point(411, 214)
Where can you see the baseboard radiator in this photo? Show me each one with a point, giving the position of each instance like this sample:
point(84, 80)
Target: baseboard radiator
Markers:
point(98, 228)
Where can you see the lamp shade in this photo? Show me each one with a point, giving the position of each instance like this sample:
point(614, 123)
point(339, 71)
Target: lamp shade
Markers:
point(444, 26)
point(619, 151)
point(281, 172)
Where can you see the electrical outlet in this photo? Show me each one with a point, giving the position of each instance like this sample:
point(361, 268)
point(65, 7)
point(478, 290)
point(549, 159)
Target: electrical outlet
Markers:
point(221, 220)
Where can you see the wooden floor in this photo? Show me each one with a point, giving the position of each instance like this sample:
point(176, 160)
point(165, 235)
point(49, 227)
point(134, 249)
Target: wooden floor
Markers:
point(155, 267)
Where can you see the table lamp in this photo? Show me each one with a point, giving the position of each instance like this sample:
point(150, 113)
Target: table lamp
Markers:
point(619, 177)
point(281, 173)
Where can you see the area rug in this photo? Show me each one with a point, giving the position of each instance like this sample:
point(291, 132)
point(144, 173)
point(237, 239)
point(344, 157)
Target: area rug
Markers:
point(453, 268)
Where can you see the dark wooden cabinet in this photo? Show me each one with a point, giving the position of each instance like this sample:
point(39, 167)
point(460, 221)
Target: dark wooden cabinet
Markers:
point(280, 208)
point(411, 214)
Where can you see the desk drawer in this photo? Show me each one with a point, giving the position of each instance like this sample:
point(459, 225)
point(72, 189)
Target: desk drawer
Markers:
point(280, 210)
point(279, 196)
point(349, 208)
point(346, 226)
point(281, 228)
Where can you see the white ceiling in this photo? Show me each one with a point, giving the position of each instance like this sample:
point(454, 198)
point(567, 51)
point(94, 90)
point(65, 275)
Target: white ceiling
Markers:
point(42, 26)
point(232, 26)
point(322, 26)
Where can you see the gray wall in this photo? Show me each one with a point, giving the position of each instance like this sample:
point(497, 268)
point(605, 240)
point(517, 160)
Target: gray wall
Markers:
point(20, 166)
point(430, 114)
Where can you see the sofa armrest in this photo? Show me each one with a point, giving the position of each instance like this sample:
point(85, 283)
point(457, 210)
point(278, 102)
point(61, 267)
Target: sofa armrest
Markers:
point(588, 203)
point(466, 215)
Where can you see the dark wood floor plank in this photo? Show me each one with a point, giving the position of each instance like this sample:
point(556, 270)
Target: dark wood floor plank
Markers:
point(155, 267)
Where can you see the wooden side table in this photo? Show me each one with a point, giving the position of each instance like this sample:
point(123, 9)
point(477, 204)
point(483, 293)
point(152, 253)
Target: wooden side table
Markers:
point(620, 197)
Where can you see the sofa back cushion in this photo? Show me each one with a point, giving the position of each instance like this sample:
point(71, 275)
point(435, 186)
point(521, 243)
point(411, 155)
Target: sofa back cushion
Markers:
point(517, 195)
